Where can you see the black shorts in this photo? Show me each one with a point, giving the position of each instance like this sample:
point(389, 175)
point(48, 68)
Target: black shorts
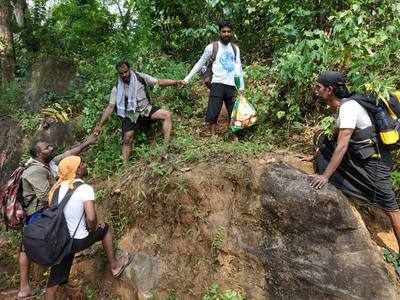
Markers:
point(59, 274)
point(142, 122)
point(219, 93)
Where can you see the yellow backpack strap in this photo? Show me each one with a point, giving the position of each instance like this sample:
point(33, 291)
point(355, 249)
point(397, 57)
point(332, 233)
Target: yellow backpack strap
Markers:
point(391, 113)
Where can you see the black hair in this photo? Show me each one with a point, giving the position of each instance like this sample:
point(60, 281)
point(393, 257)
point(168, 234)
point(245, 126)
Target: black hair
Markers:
point(337, 81)
point(225, 23)
point(341, 91)
point(34, 148)
point(122, 63)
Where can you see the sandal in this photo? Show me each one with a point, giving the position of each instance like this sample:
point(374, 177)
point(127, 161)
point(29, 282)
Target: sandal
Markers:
point(123, 267)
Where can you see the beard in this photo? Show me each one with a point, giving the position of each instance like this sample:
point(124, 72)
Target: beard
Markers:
point(126, 80)
point(225, 40)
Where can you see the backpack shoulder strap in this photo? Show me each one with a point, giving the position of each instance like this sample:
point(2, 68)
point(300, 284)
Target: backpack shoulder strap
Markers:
point(146, 87)
point(214, 51)
point(343, 100)
point(234, 49)
point(140, 79)
point(68, 195)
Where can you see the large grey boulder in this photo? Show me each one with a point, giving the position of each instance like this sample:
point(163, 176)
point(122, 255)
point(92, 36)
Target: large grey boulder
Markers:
point(144, 271)
point(316, 245)
point(50, 75)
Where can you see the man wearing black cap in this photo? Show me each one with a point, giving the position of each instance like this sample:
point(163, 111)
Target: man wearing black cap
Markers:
point(354, 160)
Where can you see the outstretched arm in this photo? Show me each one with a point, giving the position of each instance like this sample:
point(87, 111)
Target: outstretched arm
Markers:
point(202, 62)
point(78, 149)
point(168, 82)
point(104, 118)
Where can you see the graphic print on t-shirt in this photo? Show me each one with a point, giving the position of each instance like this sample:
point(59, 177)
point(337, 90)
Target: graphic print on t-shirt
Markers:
point(227, 61)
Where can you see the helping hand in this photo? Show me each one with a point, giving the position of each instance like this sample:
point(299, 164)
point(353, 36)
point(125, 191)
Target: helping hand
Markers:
point(180, 83)
point(318, 181)
point(92, 139)
point(306, 158)
point(96, 131)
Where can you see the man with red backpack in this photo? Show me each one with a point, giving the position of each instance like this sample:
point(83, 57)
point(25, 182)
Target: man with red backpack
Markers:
point(221, 67)
point(38, 176)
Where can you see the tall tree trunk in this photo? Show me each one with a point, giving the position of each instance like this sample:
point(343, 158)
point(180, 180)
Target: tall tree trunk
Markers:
point(7, 59)
point(20, 12)
point(24, 22)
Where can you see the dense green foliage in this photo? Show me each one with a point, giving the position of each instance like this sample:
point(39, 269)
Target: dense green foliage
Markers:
point(284, 45)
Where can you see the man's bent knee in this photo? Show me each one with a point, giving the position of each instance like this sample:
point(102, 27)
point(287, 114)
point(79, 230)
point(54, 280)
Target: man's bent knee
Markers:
point(161, 114)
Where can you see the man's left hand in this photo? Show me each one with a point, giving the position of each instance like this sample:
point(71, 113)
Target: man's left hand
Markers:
point(318, 181)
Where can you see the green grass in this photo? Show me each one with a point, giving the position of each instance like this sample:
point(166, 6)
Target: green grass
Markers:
point(215, 293)
point(8, 257)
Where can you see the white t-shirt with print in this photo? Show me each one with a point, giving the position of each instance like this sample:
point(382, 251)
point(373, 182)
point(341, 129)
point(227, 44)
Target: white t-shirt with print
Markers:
point(352, 115)
point(74, 209)
point(224, 67)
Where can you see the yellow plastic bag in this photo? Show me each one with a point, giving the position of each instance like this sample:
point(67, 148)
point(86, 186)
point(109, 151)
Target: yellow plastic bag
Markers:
point(243, 115)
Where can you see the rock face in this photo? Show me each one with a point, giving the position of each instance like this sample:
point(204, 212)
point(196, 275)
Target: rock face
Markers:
point(316, 246)
point(10, 147)
point(57, 134)
point(184, 242)
point(255, 227)
point(144, 272)
point(47, 76)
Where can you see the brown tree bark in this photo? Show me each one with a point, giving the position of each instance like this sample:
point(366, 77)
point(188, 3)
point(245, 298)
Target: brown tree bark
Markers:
point(20, 12)
point(23, 21)
point(7, 59)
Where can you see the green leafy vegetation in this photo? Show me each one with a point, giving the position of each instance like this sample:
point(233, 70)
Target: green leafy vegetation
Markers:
point(392, 258)
point(215, 293)
point(166, 38)
point(328, 126)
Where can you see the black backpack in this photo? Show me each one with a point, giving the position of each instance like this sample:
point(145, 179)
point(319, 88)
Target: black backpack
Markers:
point(384, 116)
point(47, 240)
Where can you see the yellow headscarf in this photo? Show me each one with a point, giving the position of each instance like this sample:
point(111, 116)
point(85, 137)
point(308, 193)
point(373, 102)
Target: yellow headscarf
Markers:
point(66, 172)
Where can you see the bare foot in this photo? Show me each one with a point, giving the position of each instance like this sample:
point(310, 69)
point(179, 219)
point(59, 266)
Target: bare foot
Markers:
point(24, 293)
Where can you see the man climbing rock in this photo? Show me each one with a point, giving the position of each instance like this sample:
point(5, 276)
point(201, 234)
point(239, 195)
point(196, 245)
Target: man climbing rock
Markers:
point(354, 160)
point(37, 178)
point(131, 101)
point(222, 58)
point(84, 232)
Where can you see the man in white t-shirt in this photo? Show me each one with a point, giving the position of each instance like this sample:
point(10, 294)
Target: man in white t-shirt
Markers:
point(80, 214)
point(225, 68)
point(354, 160)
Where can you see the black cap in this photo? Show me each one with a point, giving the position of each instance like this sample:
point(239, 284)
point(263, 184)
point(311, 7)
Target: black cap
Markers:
point(332, 78)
